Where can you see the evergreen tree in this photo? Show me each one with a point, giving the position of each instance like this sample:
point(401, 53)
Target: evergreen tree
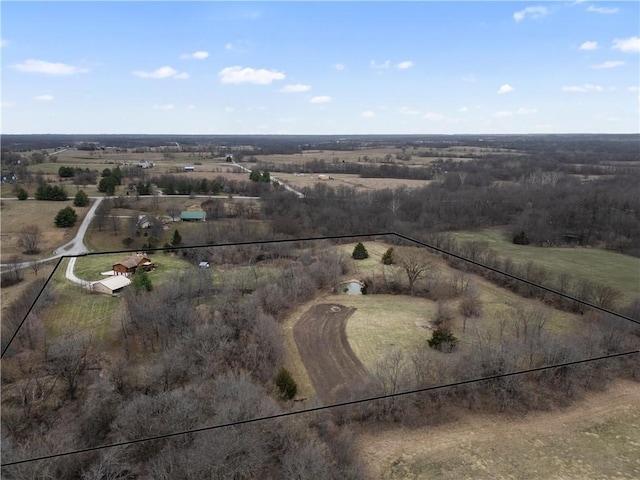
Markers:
point(287, 385)
point(142, 281)
point(81, 199)
point(22, 194)
point(66, 218)
point(387, 257)
point(442, 339)
point(177, 238)
point(360, 252)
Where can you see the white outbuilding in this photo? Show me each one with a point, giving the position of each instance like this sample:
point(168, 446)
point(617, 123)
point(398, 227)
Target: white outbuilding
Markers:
point(111, 285)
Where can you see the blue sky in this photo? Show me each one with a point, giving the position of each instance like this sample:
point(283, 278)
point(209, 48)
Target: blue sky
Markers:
point(320, 67)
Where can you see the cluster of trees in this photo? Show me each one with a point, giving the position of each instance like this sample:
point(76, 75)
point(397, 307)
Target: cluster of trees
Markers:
point(597, 213)
point(51, 192)
point(520, 340)
point(213, 355)
point(110, 181)
point(258, 176)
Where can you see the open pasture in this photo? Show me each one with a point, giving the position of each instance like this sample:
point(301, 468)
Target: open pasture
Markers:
point(619, 271)
point(17, 214)
point(597, 437)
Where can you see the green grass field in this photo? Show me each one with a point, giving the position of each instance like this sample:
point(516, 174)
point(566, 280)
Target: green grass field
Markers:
point(621, 272)
point(78, 310)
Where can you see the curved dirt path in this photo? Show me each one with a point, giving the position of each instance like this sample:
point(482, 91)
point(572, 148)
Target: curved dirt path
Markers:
point(322, 342)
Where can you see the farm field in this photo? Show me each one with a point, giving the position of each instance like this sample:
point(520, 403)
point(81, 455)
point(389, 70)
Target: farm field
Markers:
point(347, 180)
point(16, 214)
point(596, 437)
point(621, 272)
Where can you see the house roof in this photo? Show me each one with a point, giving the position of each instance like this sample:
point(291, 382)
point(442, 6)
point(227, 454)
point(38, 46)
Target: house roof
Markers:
point(197, 215)
point(115, 282)
point(132, 261)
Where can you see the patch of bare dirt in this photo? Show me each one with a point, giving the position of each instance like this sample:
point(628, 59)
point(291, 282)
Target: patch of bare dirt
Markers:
point(321, 338)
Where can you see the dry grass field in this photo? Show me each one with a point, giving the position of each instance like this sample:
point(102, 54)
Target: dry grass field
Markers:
point(595, 438)
point(18, 214)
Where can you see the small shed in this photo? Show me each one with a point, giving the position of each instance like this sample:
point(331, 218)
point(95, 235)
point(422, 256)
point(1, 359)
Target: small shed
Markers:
point(129, 265)
point(193, 216)
point(189, 168)
point(111, 285)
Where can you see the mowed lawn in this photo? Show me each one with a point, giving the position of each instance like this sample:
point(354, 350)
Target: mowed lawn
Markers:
point(384, 322)
point(78, 310)
point(621, 272)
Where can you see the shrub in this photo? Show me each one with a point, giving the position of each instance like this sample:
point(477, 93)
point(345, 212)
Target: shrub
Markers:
point(22, 194)
point(360, 252)
point(470, 306)
point(287, 385)
point(521, 239)
point(66, 218)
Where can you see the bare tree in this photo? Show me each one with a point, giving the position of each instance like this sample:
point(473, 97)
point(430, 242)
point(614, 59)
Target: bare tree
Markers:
point(416, 263)
point(173, 210)
point(29, 238)
point(68, 360)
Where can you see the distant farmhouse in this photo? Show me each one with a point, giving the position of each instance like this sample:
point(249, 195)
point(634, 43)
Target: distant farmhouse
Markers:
point(144, 221)
point(110, 286)
point(129, 265)
point(189, 169)
point(196, 216)
point(145, 164)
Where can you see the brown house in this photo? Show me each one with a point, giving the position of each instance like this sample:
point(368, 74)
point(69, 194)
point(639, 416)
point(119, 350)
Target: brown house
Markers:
point(129, 265)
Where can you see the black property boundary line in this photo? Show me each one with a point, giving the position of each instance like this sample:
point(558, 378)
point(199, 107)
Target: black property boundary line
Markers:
point(331, 406)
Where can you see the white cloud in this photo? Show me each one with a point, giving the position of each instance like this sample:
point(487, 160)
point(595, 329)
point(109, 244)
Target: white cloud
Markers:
point(259, 76)
point(191, 107)
point(409, 111)
point(432, 116)
point(43, 98)
point(162, 72)
point(469, 78)
point(608, 64)
point(585, 88)
point(604, 10)
point(229, 109)
point(532, 12)
point(463, 109)
point(3, 42)
point(48, 68)
point(502, 114)
point(589, 46)
point(631, 44)
point(8, 104)
point(526, 111)
point(228, 46)
point(339, 66)
point(321, 99)
point(380, 66)
point(506, 88)
point(298, 87)
point(167, 106)
point(199, 55)
point(404, 65)
point(367, 114)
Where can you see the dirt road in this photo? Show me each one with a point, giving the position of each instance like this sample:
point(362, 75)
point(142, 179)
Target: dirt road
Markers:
point(322, 342)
